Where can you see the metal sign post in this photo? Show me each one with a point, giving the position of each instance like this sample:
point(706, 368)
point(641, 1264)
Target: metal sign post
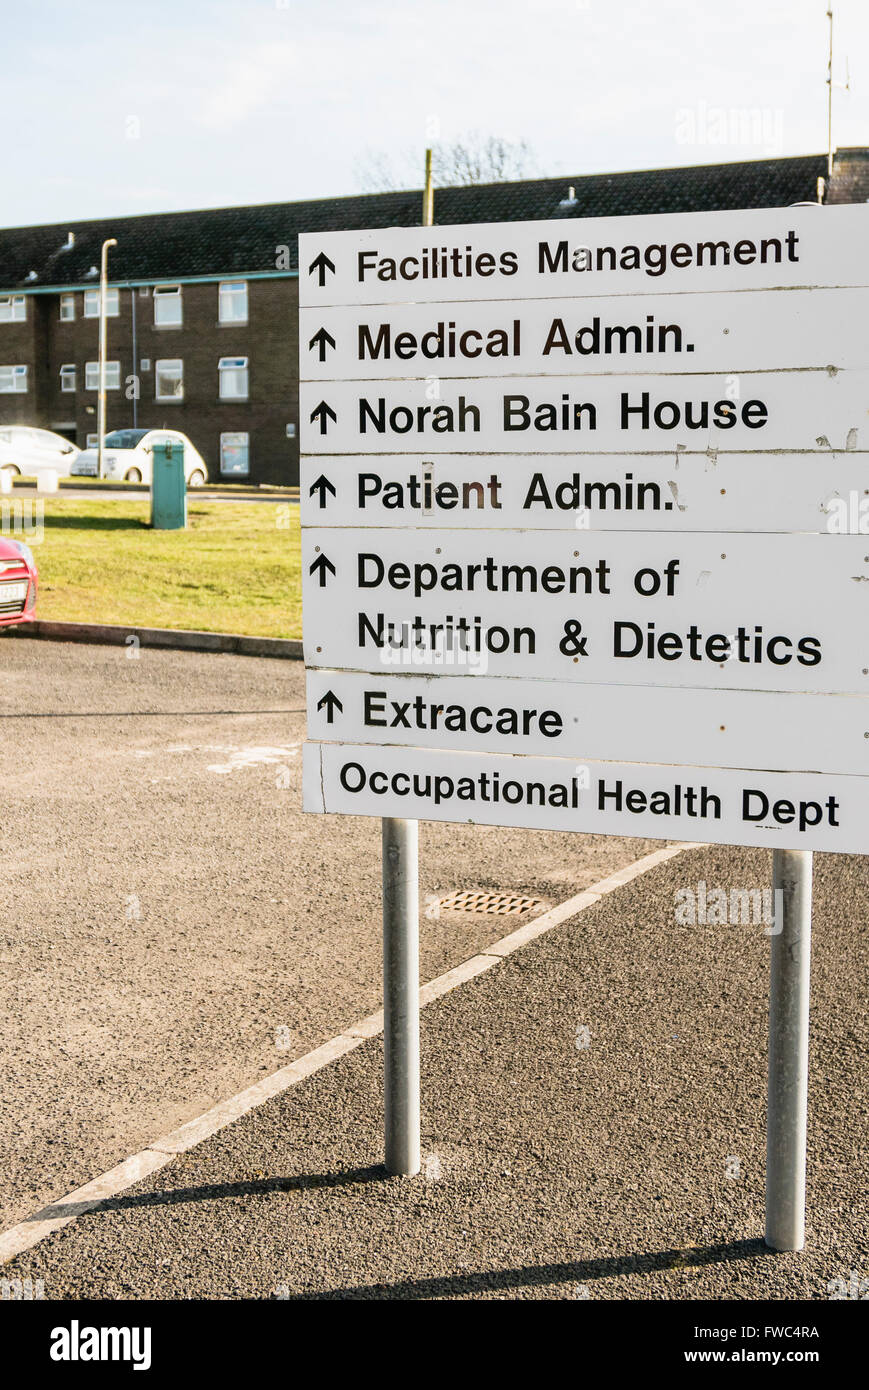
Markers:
point(787, 1097)
point(401, 994)
point(101, 352)
point(401, 953)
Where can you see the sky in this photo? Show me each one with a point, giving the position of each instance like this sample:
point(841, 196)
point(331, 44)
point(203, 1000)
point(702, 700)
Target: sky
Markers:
point(121, 109)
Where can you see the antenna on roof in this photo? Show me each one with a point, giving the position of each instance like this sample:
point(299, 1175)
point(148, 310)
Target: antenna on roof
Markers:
point(843, 86)
point(428, 193)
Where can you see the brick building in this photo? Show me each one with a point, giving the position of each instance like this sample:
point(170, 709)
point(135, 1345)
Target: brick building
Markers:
point(203, 333)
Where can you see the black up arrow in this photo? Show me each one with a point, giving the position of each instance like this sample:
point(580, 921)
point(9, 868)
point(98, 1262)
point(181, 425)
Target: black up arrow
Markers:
point(320, 566)
point(321, 264)
point(321, 339)
point(323, 413)
point(322, 486)
point(332, 704)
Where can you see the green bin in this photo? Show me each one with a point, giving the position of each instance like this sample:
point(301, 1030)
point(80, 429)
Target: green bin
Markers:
point(168, 487)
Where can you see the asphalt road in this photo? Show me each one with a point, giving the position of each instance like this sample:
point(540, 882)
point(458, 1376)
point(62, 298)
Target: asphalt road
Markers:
point(631, 1167)
point(173, 927)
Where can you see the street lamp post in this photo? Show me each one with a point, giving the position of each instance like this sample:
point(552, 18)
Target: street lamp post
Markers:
point(101, 394)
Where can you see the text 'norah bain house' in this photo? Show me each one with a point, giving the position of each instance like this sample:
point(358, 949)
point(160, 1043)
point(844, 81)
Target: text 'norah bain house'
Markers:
point(202, 309)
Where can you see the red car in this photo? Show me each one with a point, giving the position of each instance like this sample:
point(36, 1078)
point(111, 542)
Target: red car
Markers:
point(18, 581)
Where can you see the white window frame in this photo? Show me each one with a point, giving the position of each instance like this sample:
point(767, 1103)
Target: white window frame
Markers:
point(167, 294)
point(92, 374)
point(227, 291)
point(161, 365)
point(67, 301)
point(17, 373)
point(225, 366)
point(92, 303)
point(67, 371)
point(227, 440)
point(10, 304)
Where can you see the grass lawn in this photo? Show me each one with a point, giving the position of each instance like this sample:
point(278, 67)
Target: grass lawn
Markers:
point(86, 482)
point(237, 567)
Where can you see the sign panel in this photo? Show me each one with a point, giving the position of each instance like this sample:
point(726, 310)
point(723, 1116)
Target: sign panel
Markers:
point(586, 524)
point(694, 610)
point(711, 728)
point(592, 492)
point(773, 810)
point(793, 410)
point(761, 248)
point(756, 331)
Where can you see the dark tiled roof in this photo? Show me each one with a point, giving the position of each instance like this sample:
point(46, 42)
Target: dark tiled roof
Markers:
point(229, 241)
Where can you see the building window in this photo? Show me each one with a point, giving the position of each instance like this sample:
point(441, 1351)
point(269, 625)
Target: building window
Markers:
point(67, 308)
point(235, 454)
point(13, 381)
point(92, 303)
point(13, 308)
point(232, 374)
point(169, 378)
point(232, 301)
point(92, 376)
point(91, 441)
point(168, 311)
point(67, 377)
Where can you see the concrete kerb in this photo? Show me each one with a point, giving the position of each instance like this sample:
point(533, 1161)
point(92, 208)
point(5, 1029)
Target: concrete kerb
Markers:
point(160, 1152)
point(178, 638)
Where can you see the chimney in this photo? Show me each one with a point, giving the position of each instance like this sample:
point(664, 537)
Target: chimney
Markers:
point(849, 182)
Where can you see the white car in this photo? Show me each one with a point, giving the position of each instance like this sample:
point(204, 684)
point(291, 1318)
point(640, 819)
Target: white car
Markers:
point(127, 457)
point(29, 452)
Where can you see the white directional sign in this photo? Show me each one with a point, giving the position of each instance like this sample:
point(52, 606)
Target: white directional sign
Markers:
point(763, 248)
point(758, 411)
point(771, 809)
point(582, 337)
point(676, 491)
point(586, 524)
point(477, 713)
point(638, 609)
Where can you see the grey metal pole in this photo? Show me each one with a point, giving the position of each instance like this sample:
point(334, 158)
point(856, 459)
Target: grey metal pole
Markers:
point(101, 354)
point(428, 194)
point(133, 293)
point(401, 994)
point(830, 98)
point(401, 952)
point(787, 1097)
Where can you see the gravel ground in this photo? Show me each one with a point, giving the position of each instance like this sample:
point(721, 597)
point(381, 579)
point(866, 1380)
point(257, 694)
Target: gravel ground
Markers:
point(630, 1168)
point(174, 928)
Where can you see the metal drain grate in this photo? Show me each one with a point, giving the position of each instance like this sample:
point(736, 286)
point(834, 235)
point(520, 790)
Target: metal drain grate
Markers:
point(497, 904)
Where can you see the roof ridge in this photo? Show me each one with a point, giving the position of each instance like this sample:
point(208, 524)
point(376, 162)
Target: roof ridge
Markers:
point(345, 198)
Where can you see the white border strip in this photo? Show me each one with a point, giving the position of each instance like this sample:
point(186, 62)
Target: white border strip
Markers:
point(35, 1228)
